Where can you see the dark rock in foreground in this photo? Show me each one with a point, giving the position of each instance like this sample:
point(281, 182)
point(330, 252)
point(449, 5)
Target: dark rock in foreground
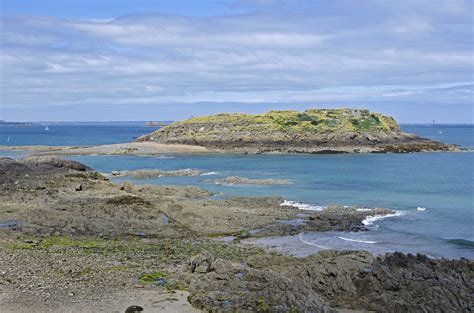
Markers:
point(353, 279)
point(10, 169)
point(311, 131)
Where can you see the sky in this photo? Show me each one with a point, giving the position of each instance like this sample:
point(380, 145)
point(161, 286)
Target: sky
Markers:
point(119, 60)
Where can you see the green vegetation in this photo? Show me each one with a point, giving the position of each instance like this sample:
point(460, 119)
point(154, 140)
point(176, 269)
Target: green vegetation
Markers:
point(161, 279)
point(69, 242)
point(164, 250)
point(312, 120)
point(7, 212)
point(152, 278)
point(17, 245)
point(262, 305)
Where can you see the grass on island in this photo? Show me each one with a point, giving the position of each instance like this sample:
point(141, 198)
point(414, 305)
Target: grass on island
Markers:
point(312, 120)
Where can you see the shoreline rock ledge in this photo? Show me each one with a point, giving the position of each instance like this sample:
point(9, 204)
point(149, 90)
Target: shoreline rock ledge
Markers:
point(311, 131)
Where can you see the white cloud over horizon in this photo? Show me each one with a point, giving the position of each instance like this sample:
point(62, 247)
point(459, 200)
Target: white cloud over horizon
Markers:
point(279, 53)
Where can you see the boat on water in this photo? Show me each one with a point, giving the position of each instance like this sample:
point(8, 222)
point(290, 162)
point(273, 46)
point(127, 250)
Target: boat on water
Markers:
point(46, 128)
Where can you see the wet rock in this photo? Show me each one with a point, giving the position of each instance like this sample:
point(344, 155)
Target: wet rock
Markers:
point(10, 169)
point(390, 283)
point(355, 280)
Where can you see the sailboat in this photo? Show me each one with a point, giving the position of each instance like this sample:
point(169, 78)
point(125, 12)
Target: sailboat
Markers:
point(8, 139)
point(46, 128)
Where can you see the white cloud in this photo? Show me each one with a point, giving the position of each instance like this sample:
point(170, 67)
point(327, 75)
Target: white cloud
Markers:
point(267, 56)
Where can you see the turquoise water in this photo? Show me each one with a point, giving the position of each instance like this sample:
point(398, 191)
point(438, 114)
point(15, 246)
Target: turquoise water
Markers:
point(440, 183)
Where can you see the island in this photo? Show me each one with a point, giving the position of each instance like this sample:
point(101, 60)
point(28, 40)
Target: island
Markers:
point(311, 131)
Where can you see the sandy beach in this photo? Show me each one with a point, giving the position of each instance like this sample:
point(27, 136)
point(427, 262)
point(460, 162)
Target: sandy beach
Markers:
point(132, 148)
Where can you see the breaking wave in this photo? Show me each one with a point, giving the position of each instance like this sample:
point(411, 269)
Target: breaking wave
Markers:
point(370, 220)
point(357, 240)
point(302, 206)
point(209, 173)
point(300, 237)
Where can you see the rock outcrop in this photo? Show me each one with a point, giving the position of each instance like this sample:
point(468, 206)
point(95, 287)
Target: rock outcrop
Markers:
point(311, 131)
point(153, 173)
point(236, 180)
point(394, 282)
point(222, 286)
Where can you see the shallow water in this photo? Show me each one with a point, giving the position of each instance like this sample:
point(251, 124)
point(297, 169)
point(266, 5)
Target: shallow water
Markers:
point(440, 183)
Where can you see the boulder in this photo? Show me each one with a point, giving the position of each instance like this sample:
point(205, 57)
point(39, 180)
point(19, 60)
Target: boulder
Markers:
point(222, 286)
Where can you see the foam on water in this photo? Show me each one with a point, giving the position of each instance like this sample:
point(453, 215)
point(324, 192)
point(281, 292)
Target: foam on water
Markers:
point(357, 240)
point(300, 237)
point(370, 220)
point(302, 206)
point(209, 173)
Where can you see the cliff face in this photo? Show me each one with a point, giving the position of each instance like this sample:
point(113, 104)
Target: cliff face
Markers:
point(311, 131)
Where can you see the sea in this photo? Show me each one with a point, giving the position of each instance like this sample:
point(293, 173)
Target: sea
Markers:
point(432, 193)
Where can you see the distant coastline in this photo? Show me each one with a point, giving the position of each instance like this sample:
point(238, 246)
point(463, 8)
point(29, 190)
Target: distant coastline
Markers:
point(167, 122)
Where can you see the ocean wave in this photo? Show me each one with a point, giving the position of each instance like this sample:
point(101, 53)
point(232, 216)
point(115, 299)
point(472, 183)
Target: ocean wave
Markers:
point(209, 173)
point(369, 220)
point(462, 243)
point(420, 209)
point(357, 240)
point(302, 206)
point(300, 237)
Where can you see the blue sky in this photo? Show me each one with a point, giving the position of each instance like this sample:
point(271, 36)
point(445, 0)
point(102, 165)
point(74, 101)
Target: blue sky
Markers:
point(164, 60)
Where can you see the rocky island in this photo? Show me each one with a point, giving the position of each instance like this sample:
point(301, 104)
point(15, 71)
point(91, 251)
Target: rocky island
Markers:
point(311, 131)
point(71, 240)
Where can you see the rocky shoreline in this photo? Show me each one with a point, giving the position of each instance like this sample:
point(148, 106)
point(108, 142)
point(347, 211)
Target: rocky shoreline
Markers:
point(151, 173)
point(71, 238)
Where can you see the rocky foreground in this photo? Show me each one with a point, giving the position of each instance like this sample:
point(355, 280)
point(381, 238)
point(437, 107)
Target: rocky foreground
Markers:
point(70, 238)
point(311, 131)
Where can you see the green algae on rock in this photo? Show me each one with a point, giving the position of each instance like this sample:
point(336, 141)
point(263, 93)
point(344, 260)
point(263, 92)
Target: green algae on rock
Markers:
point(311, 131)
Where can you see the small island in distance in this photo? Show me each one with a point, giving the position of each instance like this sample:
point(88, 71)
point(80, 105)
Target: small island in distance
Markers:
point(314, 131)
point(311, 131)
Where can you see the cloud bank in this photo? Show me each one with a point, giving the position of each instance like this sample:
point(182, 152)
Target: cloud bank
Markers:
point(275, 54)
